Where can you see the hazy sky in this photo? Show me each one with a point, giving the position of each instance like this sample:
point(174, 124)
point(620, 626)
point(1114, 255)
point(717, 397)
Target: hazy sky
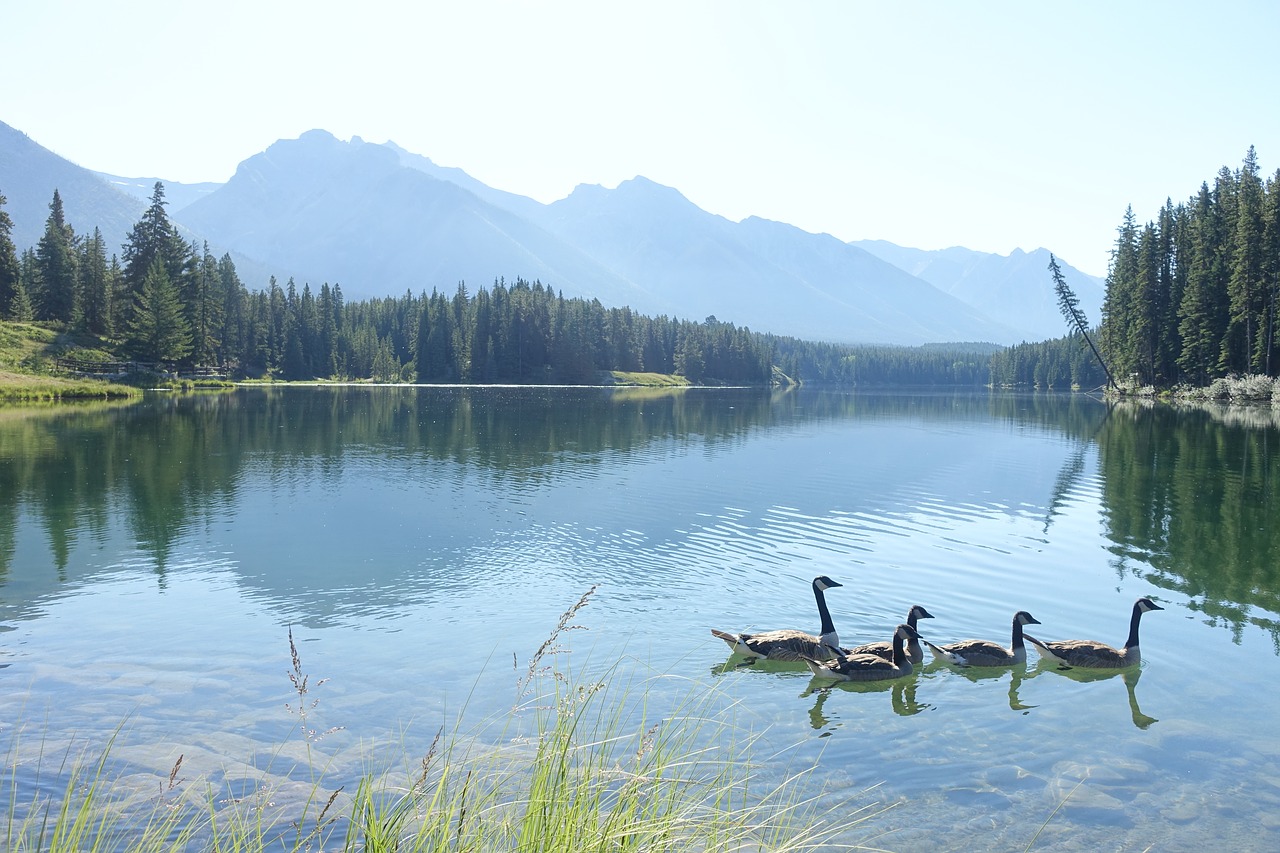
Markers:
point(990, 125)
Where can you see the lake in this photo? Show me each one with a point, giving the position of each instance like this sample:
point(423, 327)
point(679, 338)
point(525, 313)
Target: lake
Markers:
point(420, 543)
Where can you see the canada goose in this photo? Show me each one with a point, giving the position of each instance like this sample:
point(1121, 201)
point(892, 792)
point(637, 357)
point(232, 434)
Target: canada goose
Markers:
point(985, 652)
point(789, 643)
point(1091, 653)
point(867, 667)
point(884, 648)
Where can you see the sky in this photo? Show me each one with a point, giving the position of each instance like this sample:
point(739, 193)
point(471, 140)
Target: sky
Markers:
point(989, 125)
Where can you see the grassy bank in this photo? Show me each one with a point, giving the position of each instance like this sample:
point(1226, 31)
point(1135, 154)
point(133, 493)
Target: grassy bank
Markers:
point(26, 355)
point(578, 764)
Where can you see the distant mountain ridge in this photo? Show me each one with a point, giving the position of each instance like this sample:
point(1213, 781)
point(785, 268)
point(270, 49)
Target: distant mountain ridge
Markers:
point(380, 220)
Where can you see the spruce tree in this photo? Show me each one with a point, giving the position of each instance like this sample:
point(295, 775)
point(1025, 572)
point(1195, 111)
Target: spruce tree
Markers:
point(10, 272)
point(95, 286)
point(1268, 332)
point(56, 268)
point(1120, 304)
point(155, 237)
point(157, 329)
point(1240, 349)
point(1197, 317)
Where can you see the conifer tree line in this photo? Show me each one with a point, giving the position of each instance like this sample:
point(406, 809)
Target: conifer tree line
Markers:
point(1192, 295)
point(168, 301)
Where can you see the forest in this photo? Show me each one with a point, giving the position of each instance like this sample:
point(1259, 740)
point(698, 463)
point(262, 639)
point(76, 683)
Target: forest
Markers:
point(166, 301)
point(1191, 295)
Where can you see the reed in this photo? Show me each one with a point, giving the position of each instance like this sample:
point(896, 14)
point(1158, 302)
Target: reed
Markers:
point(578, 764)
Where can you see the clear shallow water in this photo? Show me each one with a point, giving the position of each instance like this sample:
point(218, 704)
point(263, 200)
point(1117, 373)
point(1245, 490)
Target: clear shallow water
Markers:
point(421, 543)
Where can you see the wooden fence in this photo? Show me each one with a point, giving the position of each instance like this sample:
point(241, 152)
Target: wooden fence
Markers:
point(117, 369)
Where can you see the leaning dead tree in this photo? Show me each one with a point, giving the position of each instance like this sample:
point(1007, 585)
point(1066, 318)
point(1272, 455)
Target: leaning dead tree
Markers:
point(1069, 304)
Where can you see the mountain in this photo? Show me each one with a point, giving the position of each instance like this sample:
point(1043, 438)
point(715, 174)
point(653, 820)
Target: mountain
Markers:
point(29, 173)
point(1015, 289)
point(177, 195)
point(350, 213)
point(28, 176)
point(766, 275)
point(380, 220)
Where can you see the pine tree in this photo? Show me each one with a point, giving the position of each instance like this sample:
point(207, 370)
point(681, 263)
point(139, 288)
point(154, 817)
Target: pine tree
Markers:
point(233, 342)
point(157, 329)
point(1240, 348)
point(155, 237)
point(56, 267)
point(204, 305)
point(10, 272)
point(95, 286)
point(1269, 335)
point(1197, 317)
point(1069, 305)
point(1119, 308)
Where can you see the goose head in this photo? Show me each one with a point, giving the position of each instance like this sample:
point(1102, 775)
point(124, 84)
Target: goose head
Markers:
point(822, 582)
point(918, 612)
point(1142, 605)
point(1022, 617)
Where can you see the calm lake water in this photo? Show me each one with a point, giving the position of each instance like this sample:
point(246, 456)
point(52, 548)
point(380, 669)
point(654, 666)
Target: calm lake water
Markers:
point(421, 543)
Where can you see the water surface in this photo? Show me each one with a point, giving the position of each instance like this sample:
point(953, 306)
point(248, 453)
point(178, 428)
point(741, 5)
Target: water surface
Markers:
point(420, 543)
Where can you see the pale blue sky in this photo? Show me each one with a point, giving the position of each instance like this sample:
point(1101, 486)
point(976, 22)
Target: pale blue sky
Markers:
point(991, 125)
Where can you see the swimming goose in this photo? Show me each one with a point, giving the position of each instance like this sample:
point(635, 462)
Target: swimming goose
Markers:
point(985, 652)
point(788, 643)
point(867, 667)
point(1091, 653)
point(884, 648)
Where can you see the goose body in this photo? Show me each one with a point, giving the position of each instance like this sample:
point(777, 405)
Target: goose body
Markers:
point(986, 652)
point(790, 644)
point(867, 667)
point(1096, 655)
point(884, 648)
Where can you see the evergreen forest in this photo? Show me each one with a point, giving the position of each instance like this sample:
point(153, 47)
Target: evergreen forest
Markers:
point(1191, 296)
point(162, 300)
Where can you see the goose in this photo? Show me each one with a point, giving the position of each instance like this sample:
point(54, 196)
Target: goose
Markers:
point(867, 667)
point(985, 652)
point(884, 648)
point(1091, 653)
point(789, 644)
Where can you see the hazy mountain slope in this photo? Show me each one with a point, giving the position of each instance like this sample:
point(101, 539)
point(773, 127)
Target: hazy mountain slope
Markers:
point(517, 204)
point(177, 195)
point(350, 213)
point(30, 173)
point(766, 275)
point(1016, 289)
point(380, 220)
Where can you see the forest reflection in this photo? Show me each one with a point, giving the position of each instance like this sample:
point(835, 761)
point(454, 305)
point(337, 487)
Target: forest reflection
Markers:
point(1188, 495)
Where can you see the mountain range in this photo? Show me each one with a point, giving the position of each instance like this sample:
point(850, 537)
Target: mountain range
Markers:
point(380, 221)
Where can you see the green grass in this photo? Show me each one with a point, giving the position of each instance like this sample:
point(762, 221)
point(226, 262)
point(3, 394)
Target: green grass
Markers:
point(26, 354)
point(651, 380)
point(577, 765)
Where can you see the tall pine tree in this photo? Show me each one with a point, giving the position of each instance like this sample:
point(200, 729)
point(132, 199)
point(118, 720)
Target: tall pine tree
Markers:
point(157, 329)
point(10, 272)
point(56, 268)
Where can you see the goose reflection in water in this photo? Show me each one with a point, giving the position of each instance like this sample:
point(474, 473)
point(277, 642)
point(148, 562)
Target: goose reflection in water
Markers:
point(785, 668)
point(1129, 676)
point(902, 697)
point(1017, 674)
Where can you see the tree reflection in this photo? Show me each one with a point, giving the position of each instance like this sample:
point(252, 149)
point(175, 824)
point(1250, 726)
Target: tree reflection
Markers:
point(1189, 498)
